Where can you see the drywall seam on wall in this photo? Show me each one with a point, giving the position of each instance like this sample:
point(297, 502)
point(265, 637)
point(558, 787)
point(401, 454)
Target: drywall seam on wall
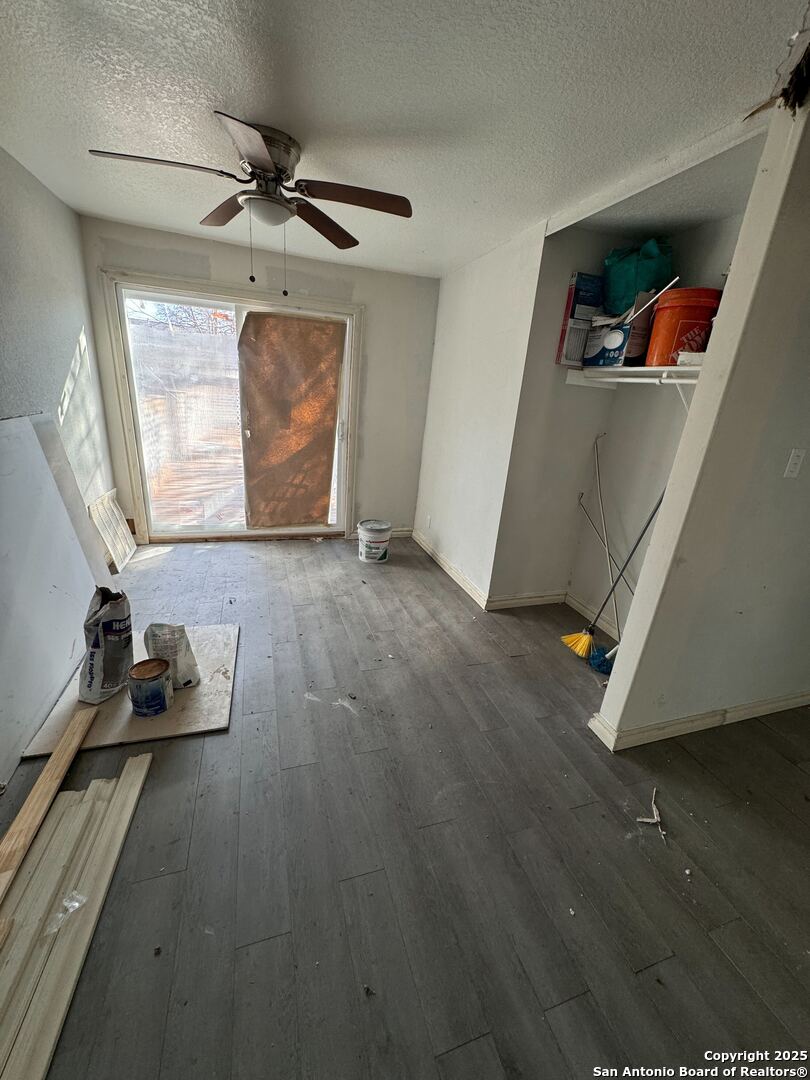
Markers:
point(398, 330)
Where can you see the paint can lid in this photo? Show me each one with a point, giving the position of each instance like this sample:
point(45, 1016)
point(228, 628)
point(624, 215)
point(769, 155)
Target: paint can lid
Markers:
point(148, 669)
point(374, 525)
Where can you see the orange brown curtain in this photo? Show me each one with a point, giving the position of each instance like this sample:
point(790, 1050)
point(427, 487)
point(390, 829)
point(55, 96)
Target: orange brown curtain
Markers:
point(289, 377)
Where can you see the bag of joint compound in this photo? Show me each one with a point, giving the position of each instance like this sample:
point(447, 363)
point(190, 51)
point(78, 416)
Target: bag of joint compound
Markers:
point(166, 642)
point(108, 638)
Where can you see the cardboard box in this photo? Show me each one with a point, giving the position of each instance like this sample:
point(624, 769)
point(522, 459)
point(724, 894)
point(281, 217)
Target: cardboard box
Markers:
point(584, 300)
point(614, 341)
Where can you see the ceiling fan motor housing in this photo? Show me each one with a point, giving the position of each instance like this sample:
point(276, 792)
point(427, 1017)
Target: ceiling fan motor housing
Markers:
point(282, 148)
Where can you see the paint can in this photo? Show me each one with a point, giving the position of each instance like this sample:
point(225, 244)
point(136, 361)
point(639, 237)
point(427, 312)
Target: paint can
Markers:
point(375, 536)
point(150, 687)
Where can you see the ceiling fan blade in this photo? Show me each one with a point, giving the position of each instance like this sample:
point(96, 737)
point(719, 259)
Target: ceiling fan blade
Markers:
point(355, 196)
point(223, 213)
point(165, 161)
point(323, 224)
point(248, 142)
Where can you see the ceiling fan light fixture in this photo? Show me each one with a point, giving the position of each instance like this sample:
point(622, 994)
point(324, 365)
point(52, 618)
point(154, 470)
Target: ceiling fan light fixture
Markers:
point(266, 209)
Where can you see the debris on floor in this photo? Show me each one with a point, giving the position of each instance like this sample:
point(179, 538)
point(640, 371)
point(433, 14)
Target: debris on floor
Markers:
point(655, 819)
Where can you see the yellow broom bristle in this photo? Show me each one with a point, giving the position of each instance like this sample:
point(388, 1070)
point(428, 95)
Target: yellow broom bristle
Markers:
point(581, 644)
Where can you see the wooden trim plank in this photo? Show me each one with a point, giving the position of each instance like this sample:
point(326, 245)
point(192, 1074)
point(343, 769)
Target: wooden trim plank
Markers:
point(56, 876)
point(37, 1038)
point(24, 827)
point(27, 947)
point(35, 853)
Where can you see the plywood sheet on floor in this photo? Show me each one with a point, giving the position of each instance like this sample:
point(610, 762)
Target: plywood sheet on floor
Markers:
point(205, 707)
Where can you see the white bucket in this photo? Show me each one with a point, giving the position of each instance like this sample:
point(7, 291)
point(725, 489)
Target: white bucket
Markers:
point(375, 536)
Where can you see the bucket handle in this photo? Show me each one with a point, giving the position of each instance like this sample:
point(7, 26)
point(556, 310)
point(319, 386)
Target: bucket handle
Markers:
point(654, 299)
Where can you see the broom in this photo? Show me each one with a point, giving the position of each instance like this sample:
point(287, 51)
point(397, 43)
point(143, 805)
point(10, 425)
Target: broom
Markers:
point(582, 643)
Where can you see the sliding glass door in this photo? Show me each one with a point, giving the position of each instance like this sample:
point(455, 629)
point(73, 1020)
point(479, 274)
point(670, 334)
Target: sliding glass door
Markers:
point(238, 415)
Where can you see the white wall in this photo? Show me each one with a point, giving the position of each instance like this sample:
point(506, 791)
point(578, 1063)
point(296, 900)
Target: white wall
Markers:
point(400, 312)
point(556, 425)
point(482, 333)
point(47, 356)
point(718, 630)
point(644, 427)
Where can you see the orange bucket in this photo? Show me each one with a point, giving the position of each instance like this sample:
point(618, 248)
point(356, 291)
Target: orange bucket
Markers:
point(682, 323)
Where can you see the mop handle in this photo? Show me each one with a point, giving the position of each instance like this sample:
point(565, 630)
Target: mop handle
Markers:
point(626, 562)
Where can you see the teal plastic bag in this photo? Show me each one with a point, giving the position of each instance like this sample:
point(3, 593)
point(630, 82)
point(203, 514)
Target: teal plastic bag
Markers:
point(632, 270)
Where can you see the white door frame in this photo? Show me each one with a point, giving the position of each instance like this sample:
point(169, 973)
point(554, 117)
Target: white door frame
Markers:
point(115, 282)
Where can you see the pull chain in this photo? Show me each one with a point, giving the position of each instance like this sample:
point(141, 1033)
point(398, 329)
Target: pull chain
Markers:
point(284, 290)
point(250, 235)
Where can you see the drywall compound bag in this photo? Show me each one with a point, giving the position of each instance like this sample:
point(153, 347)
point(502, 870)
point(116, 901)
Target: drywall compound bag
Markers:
point(164, 641)
point(108, 639)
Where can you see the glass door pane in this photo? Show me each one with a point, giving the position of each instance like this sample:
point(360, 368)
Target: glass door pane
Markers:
point(185, 370)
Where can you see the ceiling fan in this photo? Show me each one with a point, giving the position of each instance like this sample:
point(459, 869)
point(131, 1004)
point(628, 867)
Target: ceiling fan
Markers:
point(269, 157)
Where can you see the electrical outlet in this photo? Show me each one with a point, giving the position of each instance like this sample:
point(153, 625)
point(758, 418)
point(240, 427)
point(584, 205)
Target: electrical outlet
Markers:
point(794, 463)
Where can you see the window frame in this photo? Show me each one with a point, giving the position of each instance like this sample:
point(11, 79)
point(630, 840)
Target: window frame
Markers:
point(118, 284)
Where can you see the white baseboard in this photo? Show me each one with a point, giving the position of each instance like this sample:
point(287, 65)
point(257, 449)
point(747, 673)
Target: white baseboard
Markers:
point(614, 739)
point(495, 603)
point(452, 571)
point(488, 603)
point(605, 622)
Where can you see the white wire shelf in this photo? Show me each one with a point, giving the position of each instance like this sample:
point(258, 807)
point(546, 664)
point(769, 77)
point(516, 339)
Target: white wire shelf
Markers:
point(684, 375)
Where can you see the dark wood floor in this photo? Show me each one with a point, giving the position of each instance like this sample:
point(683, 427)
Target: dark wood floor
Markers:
point(408, 857)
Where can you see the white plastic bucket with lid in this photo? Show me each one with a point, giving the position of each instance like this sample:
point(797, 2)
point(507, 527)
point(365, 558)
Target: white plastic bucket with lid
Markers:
point(375, 536)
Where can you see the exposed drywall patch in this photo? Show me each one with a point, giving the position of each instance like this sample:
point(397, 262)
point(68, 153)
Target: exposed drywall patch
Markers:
point(116, 254)
point(45, 585)
point(303, 282)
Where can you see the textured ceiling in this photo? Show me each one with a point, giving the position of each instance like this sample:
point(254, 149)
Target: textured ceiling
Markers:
point(488, 114)
point(716, 188)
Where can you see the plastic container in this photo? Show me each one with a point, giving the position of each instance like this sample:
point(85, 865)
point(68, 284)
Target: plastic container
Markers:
point(375, 536)
point(682, 323)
